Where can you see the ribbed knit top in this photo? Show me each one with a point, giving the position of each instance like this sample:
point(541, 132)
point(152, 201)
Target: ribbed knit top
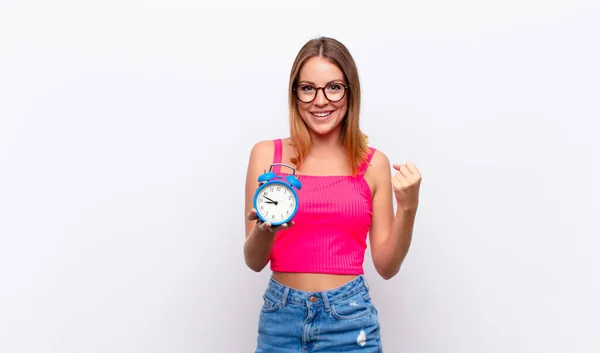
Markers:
point(330, 227)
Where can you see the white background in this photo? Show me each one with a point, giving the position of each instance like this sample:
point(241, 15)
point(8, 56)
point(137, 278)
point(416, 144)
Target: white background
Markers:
point(121, 208)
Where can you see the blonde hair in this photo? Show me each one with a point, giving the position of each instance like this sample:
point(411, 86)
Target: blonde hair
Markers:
point(354, 141)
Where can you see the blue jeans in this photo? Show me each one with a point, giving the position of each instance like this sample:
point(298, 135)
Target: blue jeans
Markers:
point(342, 319)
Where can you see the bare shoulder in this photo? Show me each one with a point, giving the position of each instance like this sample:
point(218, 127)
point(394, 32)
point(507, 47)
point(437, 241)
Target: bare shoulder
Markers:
point(380, 165)
point(261, 153)
point(262, 147)
point(378, 172)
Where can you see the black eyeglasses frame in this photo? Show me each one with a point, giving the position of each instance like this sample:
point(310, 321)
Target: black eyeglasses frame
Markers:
point(322, 88)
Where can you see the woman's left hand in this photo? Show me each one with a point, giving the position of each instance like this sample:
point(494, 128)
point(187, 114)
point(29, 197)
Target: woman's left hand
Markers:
point(406, 183)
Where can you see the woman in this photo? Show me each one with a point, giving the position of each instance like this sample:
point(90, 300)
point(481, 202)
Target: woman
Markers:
point(317, 299)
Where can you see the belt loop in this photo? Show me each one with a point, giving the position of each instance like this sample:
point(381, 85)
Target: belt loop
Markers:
point(325, 301)
point(286, 291)
point(365, 282)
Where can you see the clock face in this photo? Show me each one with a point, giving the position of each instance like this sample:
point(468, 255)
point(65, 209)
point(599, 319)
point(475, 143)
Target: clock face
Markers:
point(276, 202)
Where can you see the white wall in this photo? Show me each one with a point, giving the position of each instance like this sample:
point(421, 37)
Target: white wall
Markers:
point(121, 224)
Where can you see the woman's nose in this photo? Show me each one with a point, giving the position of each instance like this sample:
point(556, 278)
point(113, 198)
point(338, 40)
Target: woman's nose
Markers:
point(320, 99)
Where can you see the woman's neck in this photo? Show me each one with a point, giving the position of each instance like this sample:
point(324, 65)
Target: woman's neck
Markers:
point(328, 142)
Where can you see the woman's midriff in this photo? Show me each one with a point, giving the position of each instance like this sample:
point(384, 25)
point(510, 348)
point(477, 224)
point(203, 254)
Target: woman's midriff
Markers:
point(312, 282)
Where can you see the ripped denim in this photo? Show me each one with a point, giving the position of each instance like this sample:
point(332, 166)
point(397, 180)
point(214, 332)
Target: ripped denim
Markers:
point(342, 319)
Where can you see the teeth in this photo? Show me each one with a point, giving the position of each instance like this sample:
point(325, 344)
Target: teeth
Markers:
point(321, 115)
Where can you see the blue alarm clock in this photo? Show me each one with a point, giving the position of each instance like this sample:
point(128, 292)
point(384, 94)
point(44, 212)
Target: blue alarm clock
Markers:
point(275, 200)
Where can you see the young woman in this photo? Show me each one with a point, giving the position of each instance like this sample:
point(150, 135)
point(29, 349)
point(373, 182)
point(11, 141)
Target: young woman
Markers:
point(317, 299)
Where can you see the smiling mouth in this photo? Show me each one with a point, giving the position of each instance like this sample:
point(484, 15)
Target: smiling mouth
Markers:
point(321, 115)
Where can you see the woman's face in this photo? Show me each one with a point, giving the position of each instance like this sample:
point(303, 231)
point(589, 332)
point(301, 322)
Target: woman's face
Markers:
point(322, 115)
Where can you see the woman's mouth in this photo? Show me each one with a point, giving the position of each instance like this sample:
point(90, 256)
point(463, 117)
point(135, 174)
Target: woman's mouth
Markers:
point(322, 115)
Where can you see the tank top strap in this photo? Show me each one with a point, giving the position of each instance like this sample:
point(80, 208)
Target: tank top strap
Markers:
point(277, 155)
point(365, 164)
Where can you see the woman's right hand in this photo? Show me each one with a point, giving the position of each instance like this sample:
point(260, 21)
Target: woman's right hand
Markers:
point(266, 226)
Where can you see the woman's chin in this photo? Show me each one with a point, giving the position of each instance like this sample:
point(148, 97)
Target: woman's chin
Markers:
point(324, 129)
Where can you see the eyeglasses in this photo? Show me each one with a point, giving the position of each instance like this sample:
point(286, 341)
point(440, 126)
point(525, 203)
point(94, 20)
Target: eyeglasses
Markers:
point(334, 92)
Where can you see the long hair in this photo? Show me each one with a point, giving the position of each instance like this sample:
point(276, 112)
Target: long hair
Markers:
point(352, 138)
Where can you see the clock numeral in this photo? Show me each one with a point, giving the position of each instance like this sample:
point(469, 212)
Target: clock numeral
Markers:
point(278, 188)
point(287, 212)
point(285, 191)
point(262, 207)
point(291, 204)
point(261, 200)
point(266, 193)
point(290, 197)
point(273, 217)
point(271, 189)
point(266, 213)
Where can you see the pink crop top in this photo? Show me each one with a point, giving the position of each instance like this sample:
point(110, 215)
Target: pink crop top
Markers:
point(331, 224)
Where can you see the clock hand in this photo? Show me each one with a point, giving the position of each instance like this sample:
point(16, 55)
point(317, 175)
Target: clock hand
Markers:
point(272, 201)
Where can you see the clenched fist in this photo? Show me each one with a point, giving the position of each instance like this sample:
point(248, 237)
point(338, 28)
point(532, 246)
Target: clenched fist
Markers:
point(406, 183)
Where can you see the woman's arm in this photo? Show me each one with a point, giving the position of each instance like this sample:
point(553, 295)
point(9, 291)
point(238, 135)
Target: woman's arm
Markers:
point(259, 236)
point(258, 243)
point(391, 233)
point(257, 248)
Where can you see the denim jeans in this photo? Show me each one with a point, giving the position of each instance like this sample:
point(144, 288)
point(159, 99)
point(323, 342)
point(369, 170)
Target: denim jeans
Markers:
point(342, 319)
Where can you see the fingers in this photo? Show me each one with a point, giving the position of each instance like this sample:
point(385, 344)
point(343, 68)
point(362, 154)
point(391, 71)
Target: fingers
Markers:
point(264, 226)
point(283, 226)
point(280, 227)
point(413, 169)
point(252, 215)
point(403, 168)
point(286, 225)
point(407, 176)
point(409, 170)
point(400, 179)
point(267, 226)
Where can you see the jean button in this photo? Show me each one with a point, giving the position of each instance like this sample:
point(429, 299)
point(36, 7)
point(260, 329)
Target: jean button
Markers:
point(313, 299)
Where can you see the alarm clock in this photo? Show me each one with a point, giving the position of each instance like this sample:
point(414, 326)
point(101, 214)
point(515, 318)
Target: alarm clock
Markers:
point(275, 200)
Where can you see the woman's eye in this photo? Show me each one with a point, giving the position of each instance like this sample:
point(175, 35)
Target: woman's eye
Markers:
point(335, 86)
point(306, 88)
